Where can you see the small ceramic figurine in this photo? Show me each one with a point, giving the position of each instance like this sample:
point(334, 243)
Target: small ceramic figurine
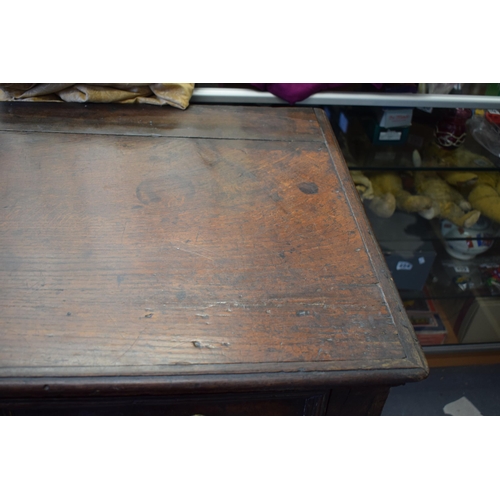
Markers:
point(465, 244)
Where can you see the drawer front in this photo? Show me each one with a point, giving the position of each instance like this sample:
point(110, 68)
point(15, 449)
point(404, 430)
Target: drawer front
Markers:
point(293, 404)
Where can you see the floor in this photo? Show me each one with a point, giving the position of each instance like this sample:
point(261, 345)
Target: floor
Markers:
point(471, 390)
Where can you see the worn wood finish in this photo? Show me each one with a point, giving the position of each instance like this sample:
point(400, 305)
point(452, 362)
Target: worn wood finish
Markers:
point(220, 122)
point(224, 250)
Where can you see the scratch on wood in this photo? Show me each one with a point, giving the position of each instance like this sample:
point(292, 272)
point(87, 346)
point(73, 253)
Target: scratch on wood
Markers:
point(123, 232)
point(133, 344)
point(194, 253)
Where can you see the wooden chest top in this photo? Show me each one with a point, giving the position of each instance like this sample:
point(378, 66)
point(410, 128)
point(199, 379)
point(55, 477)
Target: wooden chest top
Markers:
point(214, 247)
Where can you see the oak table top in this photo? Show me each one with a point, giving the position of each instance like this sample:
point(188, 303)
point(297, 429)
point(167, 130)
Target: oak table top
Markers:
point(217, 248)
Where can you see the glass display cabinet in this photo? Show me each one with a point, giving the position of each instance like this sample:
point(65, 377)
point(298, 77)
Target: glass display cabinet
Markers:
point(436, 214)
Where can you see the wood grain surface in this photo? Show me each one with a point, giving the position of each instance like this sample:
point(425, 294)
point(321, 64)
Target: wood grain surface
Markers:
point(217, 241)
point(220, 122)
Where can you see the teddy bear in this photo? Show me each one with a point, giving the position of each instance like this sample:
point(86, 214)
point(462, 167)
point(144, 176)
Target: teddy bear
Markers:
point(447, 202)
point(485, 194)
point(363, 184)
point(388, 194)
point(435, 156)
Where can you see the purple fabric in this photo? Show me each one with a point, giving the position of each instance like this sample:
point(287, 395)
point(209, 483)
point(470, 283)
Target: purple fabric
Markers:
point(295, 92)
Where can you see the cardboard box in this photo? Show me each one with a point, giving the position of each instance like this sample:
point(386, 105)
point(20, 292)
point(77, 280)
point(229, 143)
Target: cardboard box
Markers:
point(426, 321)
point(428, 327)
point(394, 117)
point(382, 135)
point(410, 269)
point(480, 321)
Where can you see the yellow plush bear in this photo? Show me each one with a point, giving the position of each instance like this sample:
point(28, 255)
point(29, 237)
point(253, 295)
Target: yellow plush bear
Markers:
point(485, 194)
point(388, 194)
point(447, 202)
point(461, 158)
point(363, 184)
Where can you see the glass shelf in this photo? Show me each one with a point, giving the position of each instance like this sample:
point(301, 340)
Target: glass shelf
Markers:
point(362, 154)
point(458, 305)
point(451, 279)
point(449, 297)
point(411, 229)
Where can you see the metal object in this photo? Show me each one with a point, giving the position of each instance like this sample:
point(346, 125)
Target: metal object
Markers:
point(213, 95)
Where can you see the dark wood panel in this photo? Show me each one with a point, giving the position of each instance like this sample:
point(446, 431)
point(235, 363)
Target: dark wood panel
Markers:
point(273, 404)
point(358, 401)
point(229, 122)
point(342, 401)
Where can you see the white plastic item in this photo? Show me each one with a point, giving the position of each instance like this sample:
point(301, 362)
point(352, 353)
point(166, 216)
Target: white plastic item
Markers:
point(486, 133)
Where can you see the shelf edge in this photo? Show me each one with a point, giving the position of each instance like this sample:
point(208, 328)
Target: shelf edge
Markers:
point(249, 96)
